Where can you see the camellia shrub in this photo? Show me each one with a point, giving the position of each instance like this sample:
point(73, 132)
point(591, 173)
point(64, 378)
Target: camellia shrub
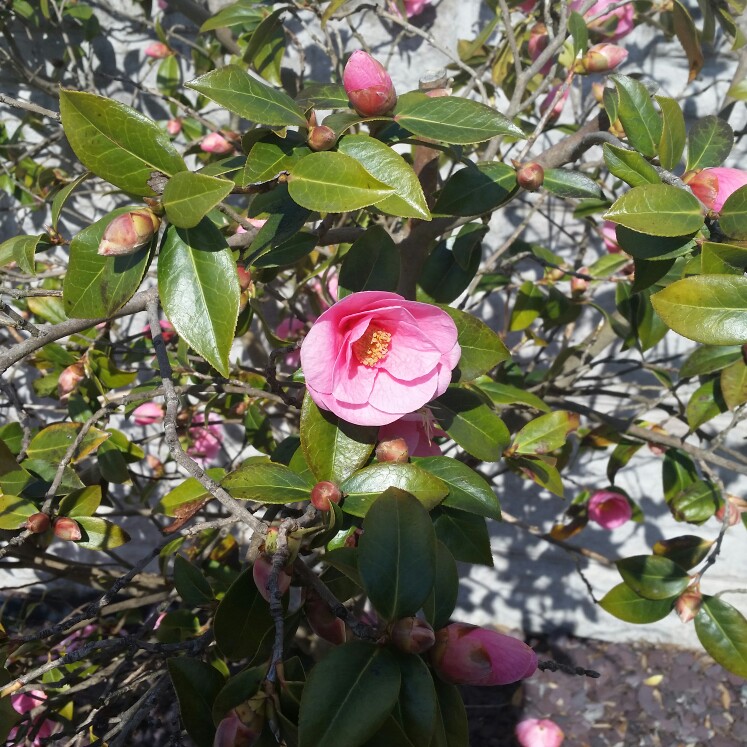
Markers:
point(299, 328)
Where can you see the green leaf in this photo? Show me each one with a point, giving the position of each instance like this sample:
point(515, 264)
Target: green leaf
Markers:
point(658, 210)
point(482, 349)
point(545, 433)
point(14, 511)
point(388, 167)
point(100, 534)
point(62, 196)
point(733, 216)
point(672, 143)
point(363, 487)
point(642, 123)
point(397, 555)
point(237, 690)
point(348, 695)
point(267, 46)
point(689, 38)
point(52, 443)
point(199, 290)
point(505, 394)
point(242, 94)
point(267, 482)
point(705, 403)
point(453, 715)
point(190, 491)
point(530, 301)
point(624, 604)
point(242, 620)
point(452, 119)
point(323, 96)
point(440, 604)
point(468, 490)
point(687, 550)
point(696, 504)
point(270, 157)
point(116, 142)
point(722, 259)
point(629, 166)
point(334, 183)
point(471, 423)
point(566, 183)
point(711, 309)
point(83, 502)
point(579, 32)
point(371, 263)
point(722, 630)
point(196, 684)
point(105, 370)
point(333, 449)
point(191, 584)
point(465, 535)
point(539, 470)
point(242, 13)
point(677, 473)
point(653, 576)
point(20, 248)
point(96, 286)
point(733, 382)
point(709, 359)
point(417, 699)
point(709, 142)
point(477, 189)
point(189, 197)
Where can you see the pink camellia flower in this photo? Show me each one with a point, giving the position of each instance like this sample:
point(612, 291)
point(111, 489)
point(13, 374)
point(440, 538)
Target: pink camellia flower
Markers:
point(602, 58)
point(609, 236)
point(418, 431)
point(539, 732)
point(174, 126)
point(157, 50)
point(149, 413)
point(129, 232)
point(215, 143)
point(467, 655)
point(412, 7)
point(374, 357)
point(206, 438)
point(557, 106)
point(23, 703)
point(368, 85)
point(609, 509)
point(613, 25)
point(714, 186)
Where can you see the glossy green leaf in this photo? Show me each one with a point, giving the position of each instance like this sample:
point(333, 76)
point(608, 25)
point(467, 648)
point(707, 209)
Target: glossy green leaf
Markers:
point(242, 620)
point(199, 290)
point(14, 511)
point(52, 443)
point(100, 534)
point(709, 142)
point(397, 554)
point(191, 584)
point(105, 370)
point(687, 550)
point(13, 478)
point(441, 602)
point(111, 464)
point(471, 423)
point(196, 685)
point(653, 576)
point(689, 38)
point(705, 403)
point(189, 197)
point(363, 487)
point(323, 96)
point(388, 166)
point(579, 32)
point(242, 94)
point(539, 470)
point(707, 359)
point(545, 433)
point(267, 482)
point(267, 46)
point(269, 158)
point(417, 699)
point(530, 301)
point(642, 123)
point(452, 119)
point(190, 491)
point(46, 473)
point(673, 134)
point(505, 394)
point(658, 210)
point(722, 259)
point(332, 182)
point(239, 688)
point(116, 142)
point(711, 309)
point(63, 195)
point(624, 604)
point(348, 695)
point(96, 286)
point(245, 14)
point(696, 503)
point(733, 382)
point(733, 215)
point(465, 535)
point(653, 248)
point(678, 472)
point(453, 715)
point(566, 183)
point(477, 189)
point(333, 449)
point(83, 502)
point(371, 263)
point(630, 166)
point(722, 630)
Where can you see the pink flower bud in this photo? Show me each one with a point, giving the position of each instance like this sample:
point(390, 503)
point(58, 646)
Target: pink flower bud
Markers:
point(714, 186)
point(733, 508)
point(613, 25)
point(66, 528)
point(322, 137)
point(609, 236)
point(467, 655)
point(322, 621)
point(324, 493)
point(368, 85)
point(579, 286)
point(148, 413)
point(412, 635)
point(174, 126)
point(412, 7)
point(392, 450)
point(557, 106)
point(69, 380)
point(688, 603)
point(129, 232)
point(233, 732)
point(216, 143)
point(533, 732)
point(601, 58)
point(245, 278)
point(530, 176)
point(38, 523)
point(538, 40)
point(157, 50)
point(609, 509)
point(261, 571)
point(418, 429)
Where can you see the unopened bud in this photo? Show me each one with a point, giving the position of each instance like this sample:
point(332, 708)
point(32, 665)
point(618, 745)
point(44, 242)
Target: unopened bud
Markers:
point(688, 604)
point(601, 58)
point(732, 508)
point(412, 635)
point(392, 450)
point(66, 528)
point(245, 277)
point(579, 286)
point(322, 137)
point(368, 85)
point(322, 620)
point(530, 176)
point(69, 380)
point(597, 91)
point(261, 572)
point(157, 50)
point(215, 143)
point(233, 732)
point(38, 523)
point(129, 232)
point(174, 126)
point(324, 493)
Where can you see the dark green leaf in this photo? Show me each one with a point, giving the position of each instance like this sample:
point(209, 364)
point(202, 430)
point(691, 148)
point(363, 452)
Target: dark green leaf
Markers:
point(642, 123)
point(417, 699)
point(530, 301)
point(196, 684)
point(83, 502)
point(722, 630)
point(687, 550)
point(189, 197)
point(565, 183)
point(371, 263)
point(678, 473)
point(707, 359)
point(440, 604)
point(267, 46)
point(539, 470)
point(270, 157)
point(629, 166)
point(477, 189)
point(465, 535)
point(237, 690)
point(453, 715)
point(624, 604)
point(653, 576)
point(505, 394)
point(696, 504)
point(191, 584)
point(673, 135)
point(266, 482)
point(545, 433)
point(709, 142)
point(733, 215)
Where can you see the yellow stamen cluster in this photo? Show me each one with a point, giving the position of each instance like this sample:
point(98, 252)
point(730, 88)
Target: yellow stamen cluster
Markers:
point(372, 345)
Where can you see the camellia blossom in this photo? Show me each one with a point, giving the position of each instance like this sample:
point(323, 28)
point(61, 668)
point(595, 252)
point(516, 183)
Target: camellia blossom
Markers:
point(374, 357)
point(412, 7)
point(609, 509)
point(23, 703)
point(418, 431)
point(714, 186)
point(148, 413)
point(206, 438)
point(368, 85)
point(467, 655)
point(613, 25)
point(602, 58)
point(539, 732)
